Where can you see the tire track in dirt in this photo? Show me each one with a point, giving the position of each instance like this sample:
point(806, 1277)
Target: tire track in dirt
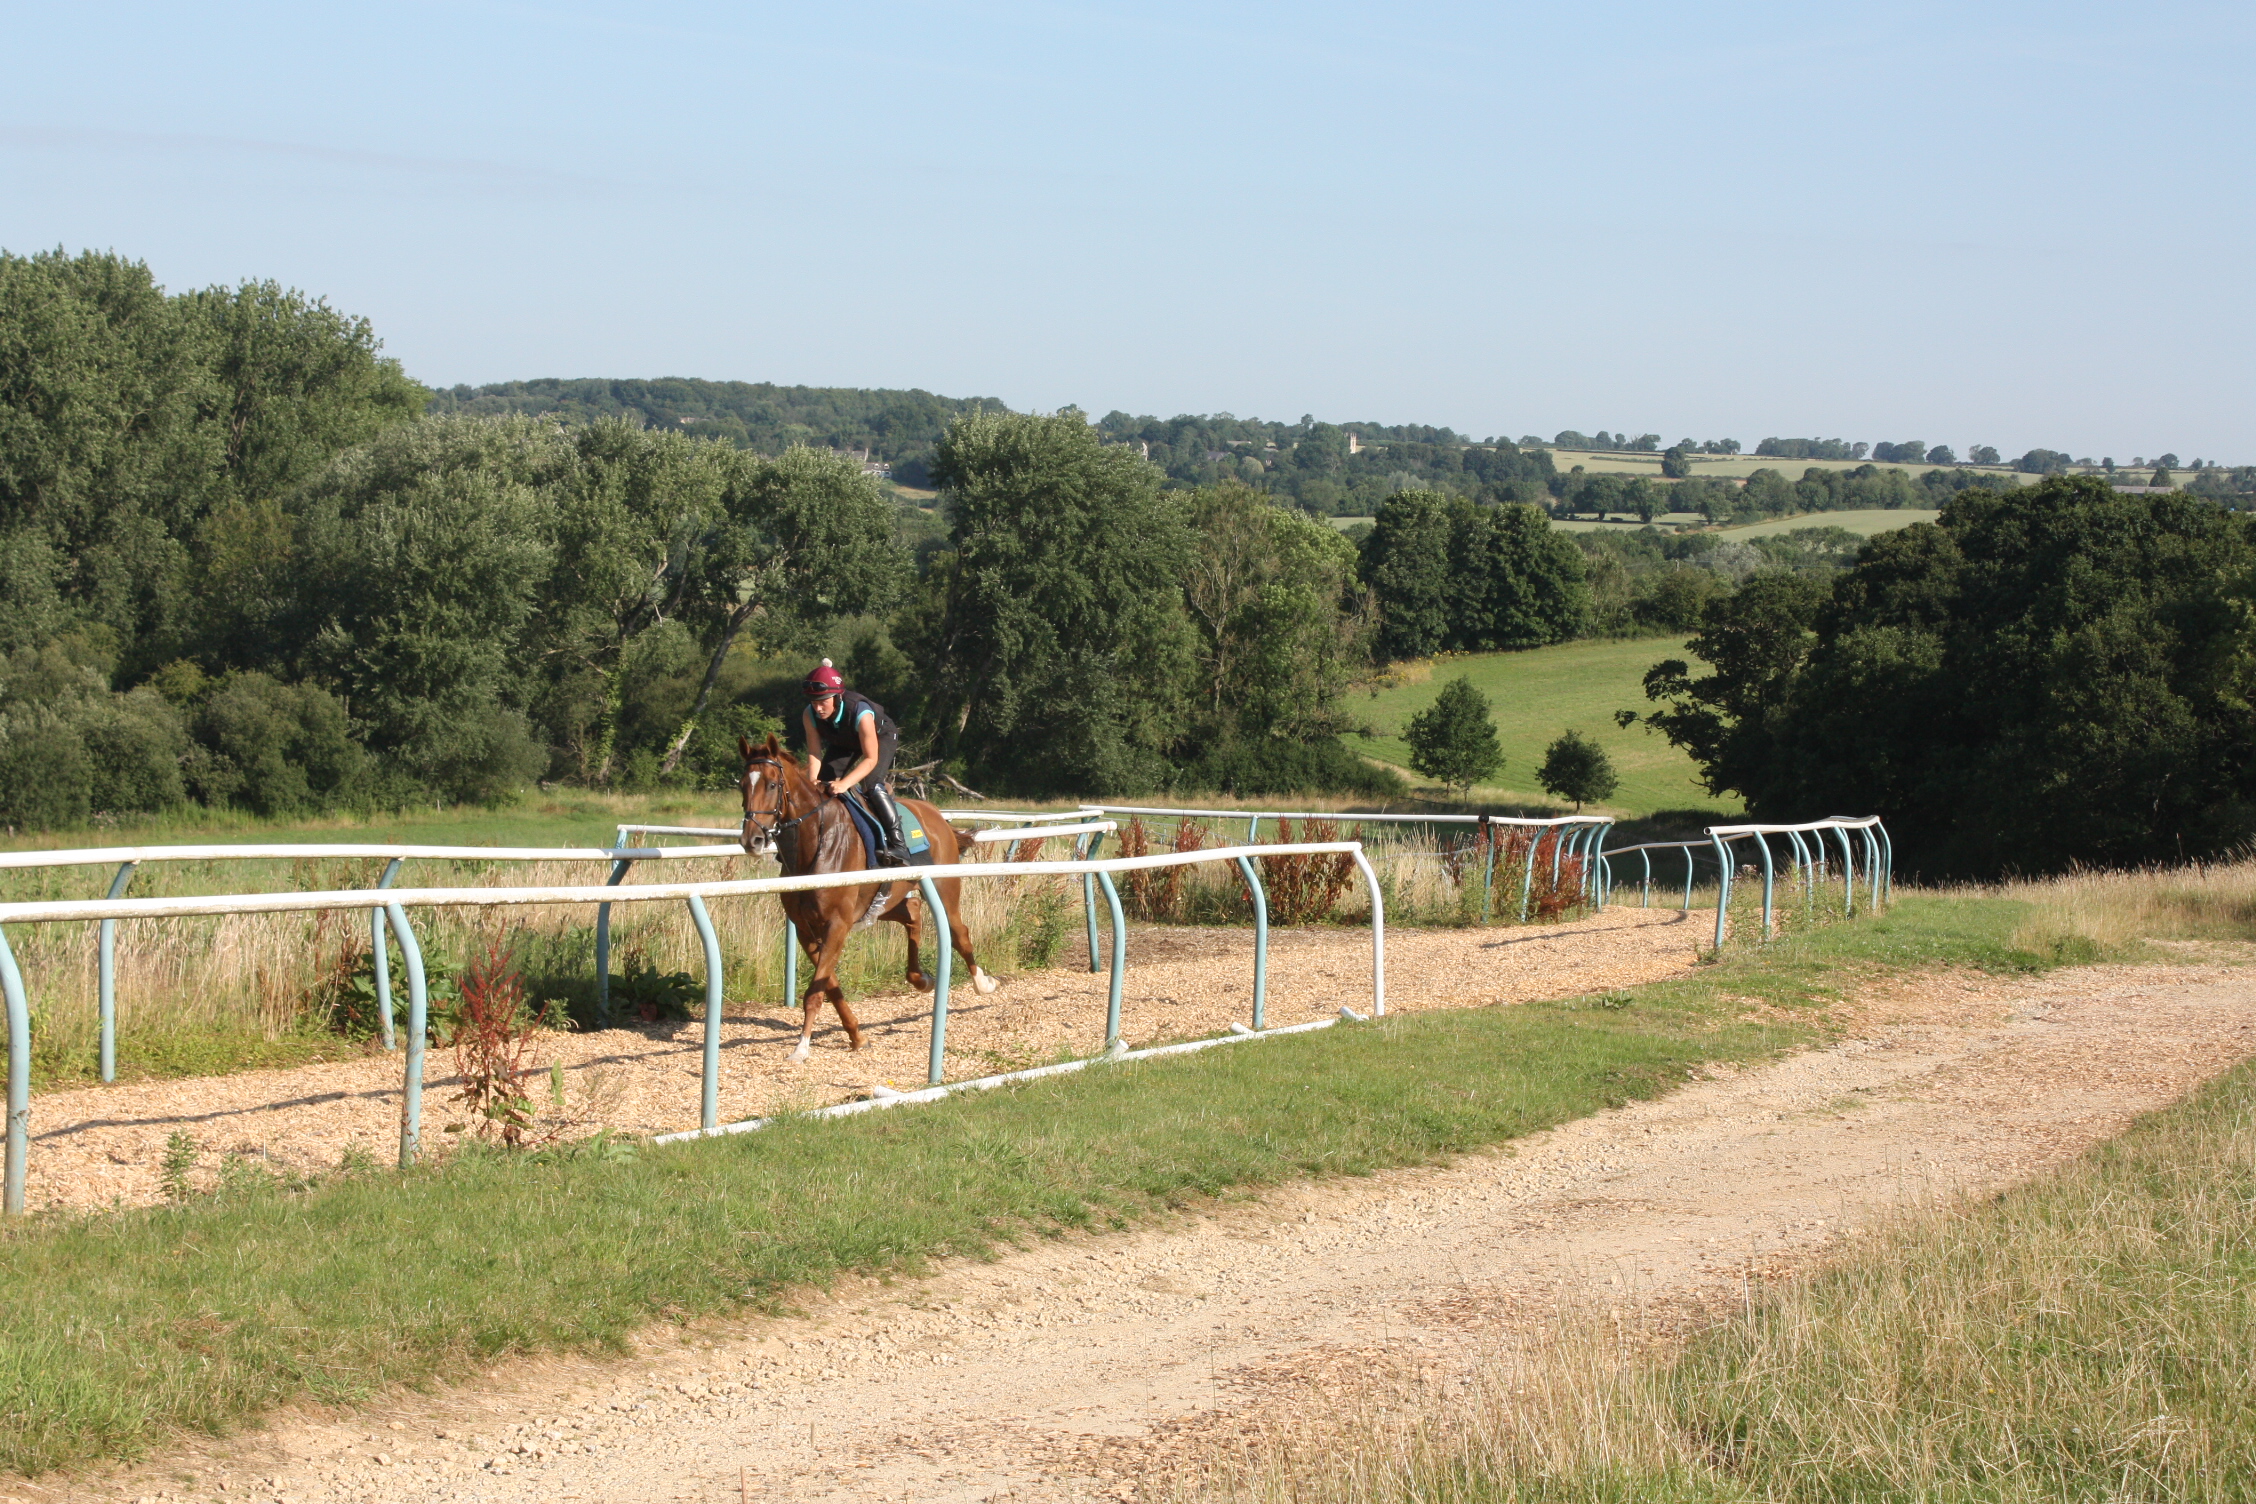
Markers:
point(1073, 1370)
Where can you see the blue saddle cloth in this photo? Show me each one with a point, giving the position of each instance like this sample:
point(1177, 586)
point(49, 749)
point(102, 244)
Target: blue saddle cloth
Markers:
point(865, 825)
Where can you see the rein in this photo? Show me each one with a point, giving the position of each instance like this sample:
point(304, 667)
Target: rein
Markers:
point(774, 827)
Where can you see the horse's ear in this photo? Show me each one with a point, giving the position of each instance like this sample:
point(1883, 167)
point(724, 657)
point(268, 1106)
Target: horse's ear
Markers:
point(775, 748)
point(744, 745)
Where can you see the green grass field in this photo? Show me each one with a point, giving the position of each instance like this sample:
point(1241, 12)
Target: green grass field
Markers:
point(1863, 523)
point(1536, 695)
point(1739, 466)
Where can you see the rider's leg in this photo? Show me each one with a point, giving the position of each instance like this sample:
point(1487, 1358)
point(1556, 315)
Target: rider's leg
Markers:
point(880, 803)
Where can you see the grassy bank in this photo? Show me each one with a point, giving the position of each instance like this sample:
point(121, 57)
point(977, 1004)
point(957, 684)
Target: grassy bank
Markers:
point(2083, 1337)
point(124, 1326)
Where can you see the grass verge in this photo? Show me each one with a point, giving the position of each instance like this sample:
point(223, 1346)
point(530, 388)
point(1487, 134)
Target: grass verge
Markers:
point(2083, 1337)
point(124, 1326)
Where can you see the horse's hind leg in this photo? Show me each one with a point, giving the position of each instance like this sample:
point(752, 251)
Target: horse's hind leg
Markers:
point(960, 934)
point(908, 920)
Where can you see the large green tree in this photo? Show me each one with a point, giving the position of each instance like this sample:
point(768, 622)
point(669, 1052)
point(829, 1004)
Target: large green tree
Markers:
point(2053, 674)
point(1449, 573)
point(1058, 641)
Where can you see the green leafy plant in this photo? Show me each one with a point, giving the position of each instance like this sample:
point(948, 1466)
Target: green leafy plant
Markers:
point(1577, 768)
point(651, 995)
point(180, 1155)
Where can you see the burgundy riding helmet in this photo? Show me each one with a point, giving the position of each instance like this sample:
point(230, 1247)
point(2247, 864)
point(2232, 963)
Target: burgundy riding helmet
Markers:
point(824, 681)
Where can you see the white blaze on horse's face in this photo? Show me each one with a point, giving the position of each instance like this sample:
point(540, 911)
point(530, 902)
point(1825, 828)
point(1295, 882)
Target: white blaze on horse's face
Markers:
point(756, 841)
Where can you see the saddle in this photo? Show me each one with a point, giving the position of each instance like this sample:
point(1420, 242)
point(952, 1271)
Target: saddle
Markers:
point(865, 824)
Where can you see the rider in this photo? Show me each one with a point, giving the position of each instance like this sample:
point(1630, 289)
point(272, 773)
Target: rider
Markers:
point(850, 741)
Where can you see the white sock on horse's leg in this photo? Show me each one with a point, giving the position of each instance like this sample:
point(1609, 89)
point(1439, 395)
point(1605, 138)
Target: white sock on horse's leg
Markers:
point(981, 980)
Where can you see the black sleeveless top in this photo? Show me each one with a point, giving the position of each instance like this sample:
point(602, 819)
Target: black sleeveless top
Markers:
point(841, 730)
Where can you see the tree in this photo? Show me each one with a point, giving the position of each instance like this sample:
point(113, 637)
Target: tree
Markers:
point(1058, 640)
point(1574, 767)
point(2051, 674)
point(1981, 454)
point(1407, 563)
point(1675, 463)
point(1453, 739)
point(1942, 454)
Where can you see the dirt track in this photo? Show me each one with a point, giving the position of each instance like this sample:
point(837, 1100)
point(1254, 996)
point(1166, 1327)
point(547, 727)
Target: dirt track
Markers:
point(94, 1146)
point(1073, 1370)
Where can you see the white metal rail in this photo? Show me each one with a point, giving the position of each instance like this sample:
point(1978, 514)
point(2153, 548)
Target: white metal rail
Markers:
point(391, 905)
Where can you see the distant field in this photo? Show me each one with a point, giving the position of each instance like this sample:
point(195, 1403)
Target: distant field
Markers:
point(1865, 523)
point(1536, 695)
point(1738, 466)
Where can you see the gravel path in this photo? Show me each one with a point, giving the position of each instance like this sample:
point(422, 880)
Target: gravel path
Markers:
point(1092, 1367)
point(95, 1146)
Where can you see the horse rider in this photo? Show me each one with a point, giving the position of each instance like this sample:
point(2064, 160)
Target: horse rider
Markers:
point(850, 742)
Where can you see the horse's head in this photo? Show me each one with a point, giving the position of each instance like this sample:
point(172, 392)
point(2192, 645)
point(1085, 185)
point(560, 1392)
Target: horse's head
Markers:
point(776, 795)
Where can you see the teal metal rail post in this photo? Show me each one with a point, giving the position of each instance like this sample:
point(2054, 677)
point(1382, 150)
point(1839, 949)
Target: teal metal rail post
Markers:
point(380, 955)
point(1086, 851)
point(1723, 886)
point(603, 945)
point(1488, 875)
point(1260, 897)
point(1872, 867)
point(709, 1090)
point(1848, 872)
point(937, 1070)
point(1119, 960)
point(19, 1079)
point(106, 965)
point(418, 1016)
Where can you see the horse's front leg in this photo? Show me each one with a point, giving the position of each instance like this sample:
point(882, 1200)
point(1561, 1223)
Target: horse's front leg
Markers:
point(825, 985)
point(960, 934)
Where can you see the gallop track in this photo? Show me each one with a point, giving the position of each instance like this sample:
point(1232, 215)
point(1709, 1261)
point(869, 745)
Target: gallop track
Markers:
point(95, 1146)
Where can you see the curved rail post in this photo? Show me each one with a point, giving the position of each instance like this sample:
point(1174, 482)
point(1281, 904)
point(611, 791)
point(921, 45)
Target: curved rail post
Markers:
point(790, 961)
point(1488, 876)
point(1763, 842)
point(1848, 872)
point(1527, 874)
point(1887, 864)
point(603, 946)
point(1689, 854)
point(1086, 851)
point(1801, 866)
point(380, 956)
point(1871, 868)
point(1260, 897)
point(1253, 831)
point(1596, 869)
point(418, 1015)
point(1119, 960)
point(945, 938)
point(106, 965)
point(1378, 934)
point(19, 1079)
point(1723, 886)
point(709, 1090)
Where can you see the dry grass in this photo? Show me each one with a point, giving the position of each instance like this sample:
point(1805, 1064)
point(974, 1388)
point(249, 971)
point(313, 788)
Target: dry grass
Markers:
point(2090, 914)
point(2084, 1337)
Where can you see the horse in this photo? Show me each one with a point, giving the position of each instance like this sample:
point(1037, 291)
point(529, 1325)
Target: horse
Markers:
point(809, 831)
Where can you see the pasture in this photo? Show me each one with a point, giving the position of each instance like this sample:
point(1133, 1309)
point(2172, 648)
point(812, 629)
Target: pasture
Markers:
point(1740, 466)
point(1533, 697)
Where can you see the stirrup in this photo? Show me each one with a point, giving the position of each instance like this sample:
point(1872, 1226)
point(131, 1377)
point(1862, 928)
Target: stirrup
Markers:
point(892, 856)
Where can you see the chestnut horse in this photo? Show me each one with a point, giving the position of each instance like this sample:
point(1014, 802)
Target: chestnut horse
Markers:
point(784, 812)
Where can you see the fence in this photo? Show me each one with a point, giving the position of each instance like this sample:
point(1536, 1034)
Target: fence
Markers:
point(389, 908)
point(1810, 862)
point(128, 858)
point(1581, 839)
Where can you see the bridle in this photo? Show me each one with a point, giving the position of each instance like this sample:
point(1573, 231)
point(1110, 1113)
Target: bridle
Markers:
point(769, 824)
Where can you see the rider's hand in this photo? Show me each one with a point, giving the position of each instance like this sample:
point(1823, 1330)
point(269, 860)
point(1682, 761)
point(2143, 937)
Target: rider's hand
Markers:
point(828, 790)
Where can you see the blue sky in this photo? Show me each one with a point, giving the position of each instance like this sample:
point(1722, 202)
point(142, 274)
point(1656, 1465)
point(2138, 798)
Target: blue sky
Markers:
point(2014, 224)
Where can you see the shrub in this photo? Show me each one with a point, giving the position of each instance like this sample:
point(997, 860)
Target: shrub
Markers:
point(1306, 889)
point(1250, 767)
point(278, 748)
point(45, 774)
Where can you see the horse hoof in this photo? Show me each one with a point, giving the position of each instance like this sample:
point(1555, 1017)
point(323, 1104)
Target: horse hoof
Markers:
point(921, 982)
point(802, 1052)
point(982, 981)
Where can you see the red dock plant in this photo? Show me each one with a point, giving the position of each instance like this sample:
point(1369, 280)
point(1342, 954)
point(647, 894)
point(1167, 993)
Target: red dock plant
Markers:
point(494, 1033)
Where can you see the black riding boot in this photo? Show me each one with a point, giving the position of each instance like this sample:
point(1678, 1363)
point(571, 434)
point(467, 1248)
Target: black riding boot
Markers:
point(895, 850)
